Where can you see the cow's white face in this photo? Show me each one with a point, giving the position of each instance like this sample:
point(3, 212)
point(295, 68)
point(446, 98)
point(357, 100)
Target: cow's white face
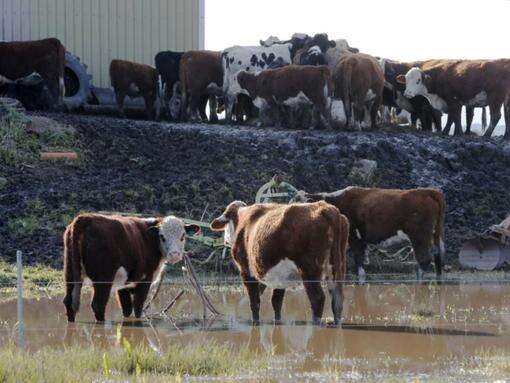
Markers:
point(226, 222)
point(172, 238)
point(414, 83)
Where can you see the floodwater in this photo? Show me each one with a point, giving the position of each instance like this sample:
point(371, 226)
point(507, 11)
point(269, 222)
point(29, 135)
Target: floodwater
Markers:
point(403, 330)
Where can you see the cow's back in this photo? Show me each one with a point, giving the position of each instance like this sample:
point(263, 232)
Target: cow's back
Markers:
point(299, 232)
point(201, 68)
point(106, 243)
point(123, 73)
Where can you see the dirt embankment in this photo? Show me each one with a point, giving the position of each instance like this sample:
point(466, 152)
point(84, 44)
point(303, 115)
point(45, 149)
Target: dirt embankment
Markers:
point(156, 168)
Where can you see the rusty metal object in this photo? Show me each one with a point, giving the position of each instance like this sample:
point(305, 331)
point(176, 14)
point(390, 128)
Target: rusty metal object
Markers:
point(489, 250)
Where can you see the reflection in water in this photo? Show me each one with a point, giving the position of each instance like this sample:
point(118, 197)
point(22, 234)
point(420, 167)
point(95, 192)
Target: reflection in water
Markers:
point(412, 326)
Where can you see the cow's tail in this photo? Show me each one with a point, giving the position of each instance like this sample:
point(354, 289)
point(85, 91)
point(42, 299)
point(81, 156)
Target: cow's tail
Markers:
point(72, 268)
point(439, 227)
point(338, 262)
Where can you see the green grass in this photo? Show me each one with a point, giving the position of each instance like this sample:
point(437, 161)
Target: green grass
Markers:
point(128, 363)
point(38, 280)
point(18, 145)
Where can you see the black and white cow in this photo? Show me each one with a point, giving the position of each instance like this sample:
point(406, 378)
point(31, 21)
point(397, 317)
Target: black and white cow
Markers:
point(252, 59)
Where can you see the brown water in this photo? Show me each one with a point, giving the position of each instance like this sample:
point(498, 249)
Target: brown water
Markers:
point(388, 329)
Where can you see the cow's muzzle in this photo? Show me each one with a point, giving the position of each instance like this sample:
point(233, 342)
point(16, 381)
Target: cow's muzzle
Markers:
point(174, 258)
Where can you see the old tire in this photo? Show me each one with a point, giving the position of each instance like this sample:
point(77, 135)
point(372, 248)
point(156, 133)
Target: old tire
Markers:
point(77, 83)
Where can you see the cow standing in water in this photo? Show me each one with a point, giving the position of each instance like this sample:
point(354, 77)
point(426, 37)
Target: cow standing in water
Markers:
point(280, 245)
point(379, 214)
point(129, 251)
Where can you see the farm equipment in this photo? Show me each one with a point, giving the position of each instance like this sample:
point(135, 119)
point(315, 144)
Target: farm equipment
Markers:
point(489, 250)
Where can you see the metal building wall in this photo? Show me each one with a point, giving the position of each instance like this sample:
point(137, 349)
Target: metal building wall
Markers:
point(100, 30)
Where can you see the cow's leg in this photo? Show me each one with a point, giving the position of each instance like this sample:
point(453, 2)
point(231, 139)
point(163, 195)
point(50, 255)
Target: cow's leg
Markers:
point(495, 110)
point(194, 108)
point(213, 106)
point(253, 288)
point(313, 289)
point(277, 302)
point(358, 248)
point(373, 112)
point(449, 123)
point(436, 117)
point(421, 250)
point(139, 295)
point(125, 301)
point(457, 120)
point(149, 107)
point(119, 97)
point(100, 299)
point(470, 112)
point(507, 120)
point(229, 107)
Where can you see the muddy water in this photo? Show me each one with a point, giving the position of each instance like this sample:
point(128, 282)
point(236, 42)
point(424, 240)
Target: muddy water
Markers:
point(387, 328)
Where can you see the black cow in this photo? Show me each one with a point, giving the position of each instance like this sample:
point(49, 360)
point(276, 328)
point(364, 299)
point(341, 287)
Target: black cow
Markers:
point(168, 66)
point(30, 90)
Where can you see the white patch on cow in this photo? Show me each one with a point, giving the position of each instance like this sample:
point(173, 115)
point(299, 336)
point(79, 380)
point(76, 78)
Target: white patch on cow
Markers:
point(260, 103)
point(315, 50)
point(370, 95)
point(172, 238)
point(62, 87)
point(298, 100)
point(416, 87)
point(338, 112)
point(158, 273)
point(479, 100)
point(335, 53)
point(358, 234)
point(327, 274)
point(120, 279)
point(230, 232)
point(284, 274)
point(361, 274)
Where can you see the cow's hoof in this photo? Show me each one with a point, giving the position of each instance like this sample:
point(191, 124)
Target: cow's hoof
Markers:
point(317, 321)
point(277, 322)
point(255, 322)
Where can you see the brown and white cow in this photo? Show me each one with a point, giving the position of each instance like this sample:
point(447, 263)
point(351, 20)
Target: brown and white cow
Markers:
point(291, 86)
point(279, 245)
point(116, 250)
point(135, 80)
point(450, 84)
point(379, 214)
point(46, 57)
point(359, 81)
point(198, 70)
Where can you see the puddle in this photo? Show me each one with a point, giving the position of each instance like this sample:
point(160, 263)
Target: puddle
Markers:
point(391, 328)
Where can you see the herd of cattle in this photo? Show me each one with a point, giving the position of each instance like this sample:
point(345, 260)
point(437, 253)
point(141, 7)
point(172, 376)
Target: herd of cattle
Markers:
point(273, 245)
point(316, 81)
point(303, 81)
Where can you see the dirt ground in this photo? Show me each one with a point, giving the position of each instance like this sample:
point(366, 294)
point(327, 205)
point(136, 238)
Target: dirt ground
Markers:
point(157, 168)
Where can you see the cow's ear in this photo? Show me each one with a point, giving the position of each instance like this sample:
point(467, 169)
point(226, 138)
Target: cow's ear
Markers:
point(192, 229)
point(426, 79)
point(401, 79)
point(218, 224)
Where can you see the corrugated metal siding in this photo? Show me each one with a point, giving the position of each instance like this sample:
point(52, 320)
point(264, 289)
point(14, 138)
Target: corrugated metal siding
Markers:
point(101, 30)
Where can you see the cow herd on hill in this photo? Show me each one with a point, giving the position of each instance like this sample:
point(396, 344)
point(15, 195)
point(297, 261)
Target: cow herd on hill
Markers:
point(306, 81)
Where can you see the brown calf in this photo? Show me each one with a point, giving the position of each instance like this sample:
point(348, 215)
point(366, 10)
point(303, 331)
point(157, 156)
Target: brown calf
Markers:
point(292, 86)
point(359, 81)
point(278, 245)
point(126, 250)
point(199, 69)
point(135, 80)
point(378, 214)
point(46, 57)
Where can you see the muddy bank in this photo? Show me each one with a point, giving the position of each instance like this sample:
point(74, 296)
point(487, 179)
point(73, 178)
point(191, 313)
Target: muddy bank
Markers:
point(157, 168)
